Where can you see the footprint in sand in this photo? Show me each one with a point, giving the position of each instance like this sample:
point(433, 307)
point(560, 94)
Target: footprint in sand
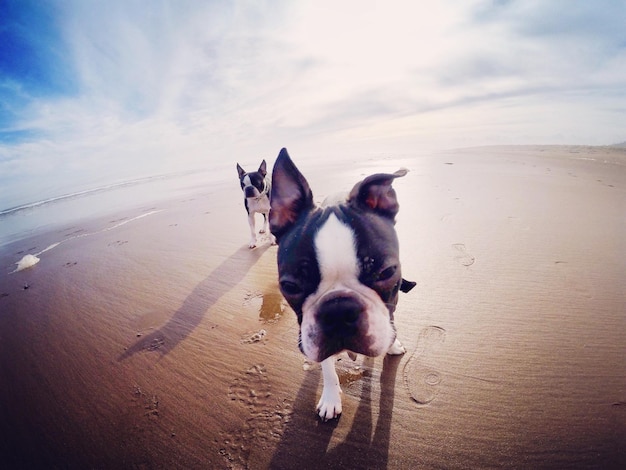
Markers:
point(154, 344)
point(149, 402)
point(256, 337)
point(421, 380)
point(461, 255)
point(252, 389)
point(266, 423)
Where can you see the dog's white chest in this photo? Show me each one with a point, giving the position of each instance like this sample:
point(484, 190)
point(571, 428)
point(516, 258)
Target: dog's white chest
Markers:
point(261, 204)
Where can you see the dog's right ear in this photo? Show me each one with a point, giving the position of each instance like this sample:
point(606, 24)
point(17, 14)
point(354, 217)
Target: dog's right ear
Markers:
point(291, 195)
point(375, 193)
point(240, 170)
point(263, 168)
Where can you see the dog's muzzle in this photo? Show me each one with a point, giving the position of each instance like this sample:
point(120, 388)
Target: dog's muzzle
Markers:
point(340, 316)
point(250, 191)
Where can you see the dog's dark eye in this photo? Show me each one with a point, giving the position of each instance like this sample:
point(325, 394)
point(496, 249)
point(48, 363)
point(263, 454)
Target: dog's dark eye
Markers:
point(387, 273)
point(290, 288)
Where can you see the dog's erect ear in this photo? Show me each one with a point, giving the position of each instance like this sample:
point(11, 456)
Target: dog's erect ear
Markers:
point(263, 168)
point(375, 193)
point(291, 195)
point(406, 286)
point(240, 170)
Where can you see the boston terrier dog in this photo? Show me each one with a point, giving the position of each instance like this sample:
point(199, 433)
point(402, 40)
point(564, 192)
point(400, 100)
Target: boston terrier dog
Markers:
point(339, 269)
point(256, 190)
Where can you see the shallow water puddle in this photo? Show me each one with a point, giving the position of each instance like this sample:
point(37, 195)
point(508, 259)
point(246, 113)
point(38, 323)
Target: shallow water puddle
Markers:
point(269, 306)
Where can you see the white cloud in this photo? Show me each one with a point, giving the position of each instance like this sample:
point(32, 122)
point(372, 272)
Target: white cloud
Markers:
point(168, 84)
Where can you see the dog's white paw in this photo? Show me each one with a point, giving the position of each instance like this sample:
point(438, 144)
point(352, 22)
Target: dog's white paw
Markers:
point(273, 240)
point(252, 244)
point(329, 406)
point(396, 348)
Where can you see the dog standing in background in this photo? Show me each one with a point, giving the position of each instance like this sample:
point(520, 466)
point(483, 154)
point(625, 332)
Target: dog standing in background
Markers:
point(256, 188)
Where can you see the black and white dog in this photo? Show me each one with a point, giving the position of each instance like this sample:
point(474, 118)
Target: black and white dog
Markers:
point(256, 191)
point(339, 269)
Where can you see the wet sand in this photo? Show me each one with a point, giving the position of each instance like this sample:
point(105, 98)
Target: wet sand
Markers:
point(162, 341)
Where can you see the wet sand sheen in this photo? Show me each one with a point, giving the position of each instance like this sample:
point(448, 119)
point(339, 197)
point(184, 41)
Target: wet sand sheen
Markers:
point(164, 342)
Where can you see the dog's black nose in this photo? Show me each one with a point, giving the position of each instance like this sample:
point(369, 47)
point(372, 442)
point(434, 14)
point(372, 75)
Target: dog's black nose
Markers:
point(339, 316)
point(250, 191)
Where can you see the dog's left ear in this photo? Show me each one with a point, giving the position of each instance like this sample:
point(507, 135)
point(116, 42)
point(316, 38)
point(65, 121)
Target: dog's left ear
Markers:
point(291, 195)
point(406, 286)
point(376, 193)
point(240, 171)
point(263, 169)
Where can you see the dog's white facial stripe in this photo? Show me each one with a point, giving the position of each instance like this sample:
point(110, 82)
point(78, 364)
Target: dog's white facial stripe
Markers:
point(336, 251)
point(246, 181)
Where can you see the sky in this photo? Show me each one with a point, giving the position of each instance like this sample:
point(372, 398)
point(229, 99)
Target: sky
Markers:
point(93, 92)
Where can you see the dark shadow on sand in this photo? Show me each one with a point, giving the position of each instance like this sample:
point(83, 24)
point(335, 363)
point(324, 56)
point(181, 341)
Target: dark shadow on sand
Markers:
point(306, 439)
point(221, 280)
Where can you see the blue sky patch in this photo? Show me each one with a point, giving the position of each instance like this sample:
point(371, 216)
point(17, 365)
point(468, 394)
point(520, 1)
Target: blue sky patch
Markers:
point(32, 51)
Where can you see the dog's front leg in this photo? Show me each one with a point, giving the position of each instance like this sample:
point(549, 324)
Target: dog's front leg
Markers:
point(266, 228)
point(396, 348)
point(329, 406)
point(252, 243)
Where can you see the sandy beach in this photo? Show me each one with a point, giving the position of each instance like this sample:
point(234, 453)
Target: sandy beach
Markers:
point(156, 339)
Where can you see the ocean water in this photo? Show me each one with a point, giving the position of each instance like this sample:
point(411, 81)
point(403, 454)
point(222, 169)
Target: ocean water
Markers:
point(63, 210)
point(30, 219)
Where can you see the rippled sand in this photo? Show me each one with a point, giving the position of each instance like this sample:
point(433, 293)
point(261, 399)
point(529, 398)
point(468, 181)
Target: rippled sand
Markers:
point(163, 342)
